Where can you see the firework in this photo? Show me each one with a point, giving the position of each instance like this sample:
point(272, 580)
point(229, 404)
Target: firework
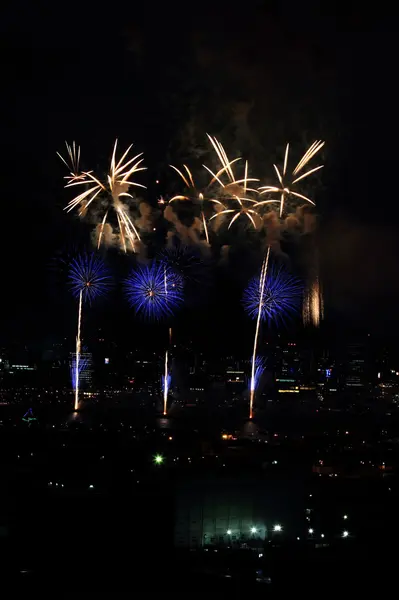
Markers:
point(108, 193)
point(166, 378)
point(260, 364)
point(273, 298)
point(151, 293)
point(72, 163)
point(184, 263)
point(261, 289)
point(193, 195)
point(77, 369)
point(286, 181)
point(233, 190)
point(88, 276)
point(312, 308)
point(89, 279)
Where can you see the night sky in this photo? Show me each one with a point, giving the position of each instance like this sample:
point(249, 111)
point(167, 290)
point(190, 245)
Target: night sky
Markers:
point(255, 76)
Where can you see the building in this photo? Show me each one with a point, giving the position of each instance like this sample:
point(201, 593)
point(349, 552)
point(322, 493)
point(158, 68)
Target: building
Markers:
point(355, 369)
point(287, 367)
point(85, 369)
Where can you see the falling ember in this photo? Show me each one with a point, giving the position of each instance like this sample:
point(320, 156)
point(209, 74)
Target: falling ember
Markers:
point(78, 345)
point(258, 320)
point(313, 306)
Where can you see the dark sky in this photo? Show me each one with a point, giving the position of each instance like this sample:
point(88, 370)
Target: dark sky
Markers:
point(256, 75)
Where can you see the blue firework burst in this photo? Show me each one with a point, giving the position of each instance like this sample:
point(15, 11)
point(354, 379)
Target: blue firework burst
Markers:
point(186, 262)
point(154, 292)
point(88, 274)
point(281, 296)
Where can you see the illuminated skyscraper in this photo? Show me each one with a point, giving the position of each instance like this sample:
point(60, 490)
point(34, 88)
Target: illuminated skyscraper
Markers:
point(86, 375)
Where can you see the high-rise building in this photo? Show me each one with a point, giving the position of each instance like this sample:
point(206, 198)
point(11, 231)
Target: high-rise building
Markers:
point(356, 365)
point(85, 370)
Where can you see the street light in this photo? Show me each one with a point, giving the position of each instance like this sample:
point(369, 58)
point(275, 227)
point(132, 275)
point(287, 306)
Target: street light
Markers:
point(345, 534)
point(229, 532)
point(253, 529)
point(277, 528)
point(311, 531)
point(345, 517)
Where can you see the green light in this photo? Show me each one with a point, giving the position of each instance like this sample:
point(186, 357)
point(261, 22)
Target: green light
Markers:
point(158, 459)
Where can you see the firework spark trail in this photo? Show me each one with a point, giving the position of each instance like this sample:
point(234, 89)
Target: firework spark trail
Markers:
point(260, 364)
point(83, 365)
point(89, 279)
point(102, 230)
point(165, 385)
point(313, 304)
point(78, 353)
point(73, 165)
point(262, 289)
point(285, 187)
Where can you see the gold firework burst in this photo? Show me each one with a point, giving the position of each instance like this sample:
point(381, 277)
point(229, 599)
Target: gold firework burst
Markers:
point(233, 190)
point(115, 187)
point(72, 163)
point(287, 181)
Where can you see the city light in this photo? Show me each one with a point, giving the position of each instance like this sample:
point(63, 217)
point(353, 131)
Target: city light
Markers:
point(345, 534)
point(277, 528)
point(253, 529)
point(158, 459)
